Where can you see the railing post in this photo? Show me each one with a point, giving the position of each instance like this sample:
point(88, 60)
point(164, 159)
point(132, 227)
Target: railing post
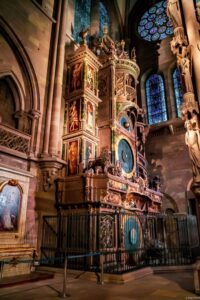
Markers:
point(101, 275)
point(64, 292)
point(1, 269)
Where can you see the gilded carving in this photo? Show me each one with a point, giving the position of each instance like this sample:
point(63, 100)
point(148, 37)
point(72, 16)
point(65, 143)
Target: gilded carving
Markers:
point(107, 231)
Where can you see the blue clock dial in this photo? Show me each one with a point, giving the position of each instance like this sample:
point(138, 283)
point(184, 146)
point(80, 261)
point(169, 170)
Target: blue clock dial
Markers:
point(132, 234)
point(125, 155)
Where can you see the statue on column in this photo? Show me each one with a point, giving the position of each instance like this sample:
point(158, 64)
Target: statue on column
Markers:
point(184, 63)
point(192, 140)
point(174, 14)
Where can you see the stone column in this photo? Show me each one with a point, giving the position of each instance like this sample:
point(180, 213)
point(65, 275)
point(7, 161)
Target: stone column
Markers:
point(35, 116)
point(54, 44)
point(192, 28)
point(57, 96)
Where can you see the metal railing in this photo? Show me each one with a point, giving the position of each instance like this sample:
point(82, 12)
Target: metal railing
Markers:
point(127, 241)
point(50, 262)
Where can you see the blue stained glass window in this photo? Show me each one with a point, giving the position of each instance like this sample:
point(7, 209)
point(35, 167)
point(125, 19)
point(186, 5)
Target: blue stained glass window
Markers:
point(81, 17)
point(177, 90)
point(103, 18)
point(154, 24)
point(156, 103)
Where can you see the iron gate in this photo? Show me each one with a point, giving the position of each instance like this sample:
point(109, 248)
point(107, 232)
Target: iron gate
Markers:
point(126, 240)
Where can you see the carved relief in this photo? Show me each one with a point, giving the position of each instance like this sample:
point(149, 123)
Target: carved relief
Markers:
point(49, 176)
point(107, 231)
point(113, 198)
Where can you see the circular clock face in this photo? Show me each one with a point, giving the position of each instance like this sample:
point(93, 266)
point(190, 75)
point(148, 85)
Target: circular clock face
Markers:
point(132, 233)
point(125, 155)
point(125, 123)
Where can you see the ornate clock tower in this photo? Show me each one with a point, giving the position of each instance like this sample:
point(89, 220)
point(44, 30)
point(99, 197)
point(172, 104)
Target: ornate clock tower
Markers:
point(104, 139)
point(119, 112)
point(80, 137)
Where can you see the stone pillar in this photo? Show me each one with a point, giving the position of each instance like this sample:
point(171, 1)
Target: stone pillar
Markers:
point(57, 96)
point(185, 51)
point(192, 28)
point(35, 116)
point(54, 44)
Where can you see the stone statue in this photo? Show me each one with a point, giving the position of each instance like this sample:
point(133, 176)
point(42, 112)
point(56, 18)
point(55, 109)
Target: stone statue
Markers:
point(174, 14)
point(198, 10)
point(192, 140)
point(184, 63)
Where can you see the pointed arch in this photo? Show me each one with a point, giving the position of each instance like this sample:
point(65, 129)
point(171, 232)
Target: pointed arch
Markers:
point(9, 75)
point(24, 61)
point(156, 99)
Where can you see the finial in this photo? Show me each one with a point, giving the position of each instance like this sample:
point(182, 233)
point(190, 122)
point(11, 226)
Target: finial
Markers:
point(83, 35)
point(105, 28)
point(133, 54)
point(122, 45)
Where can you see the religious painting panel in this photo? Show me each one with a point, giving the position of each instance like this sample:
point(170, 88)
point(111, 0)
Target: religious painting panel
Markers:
point(10, 202)
point(72, 157)
point(89, 116)
point(88, 151)
point(90, 78)
point(74, 112)
point(76, 77)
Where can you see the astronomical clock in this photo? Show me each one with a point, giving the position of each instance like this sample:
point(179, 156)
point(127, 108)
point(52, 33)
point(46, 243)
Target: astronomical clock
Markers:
point(105, 133)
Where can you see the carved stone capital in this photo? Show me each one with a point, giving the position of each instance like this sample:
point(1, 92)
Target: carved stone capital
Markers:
point(50, 170)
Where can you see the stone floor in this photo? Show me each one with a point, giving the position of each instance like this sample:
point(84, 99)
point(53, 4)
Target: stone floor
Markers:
point(152, 287)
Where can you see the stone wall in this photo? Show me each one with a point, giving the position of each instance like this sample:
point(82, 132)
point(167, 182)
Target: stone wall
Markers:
point(167, 156)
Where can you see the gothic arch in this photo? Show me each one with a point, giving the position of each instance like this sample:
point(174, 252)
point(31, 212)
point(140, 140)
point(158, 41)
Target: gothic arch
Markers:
point(171, 101)
point(24, 61)
point(15, 86)
point(143, 89)
point(169, 203)
point(144, 77)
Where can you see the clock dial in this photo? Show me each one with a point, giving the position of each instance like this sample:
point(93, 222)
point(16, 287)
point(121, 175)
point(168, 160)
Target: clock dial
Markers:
point(125, 155)
point(132, 234)
point(125, 123)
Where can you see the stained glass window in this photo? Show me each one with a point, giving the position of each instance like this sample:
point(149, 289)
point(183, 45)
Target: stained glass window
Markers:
point(82, 17)
point(156, 103)
point(177, 90)
point(103, 18)
point(154, 24)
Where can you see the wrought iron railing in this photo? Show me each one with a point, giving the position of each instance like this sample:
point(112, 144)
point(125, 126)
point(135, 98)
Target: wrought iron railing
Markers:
point(127, 241)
